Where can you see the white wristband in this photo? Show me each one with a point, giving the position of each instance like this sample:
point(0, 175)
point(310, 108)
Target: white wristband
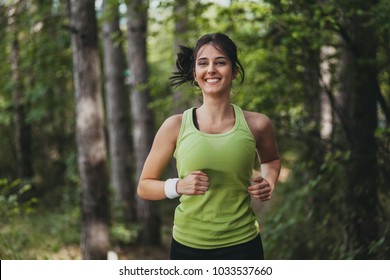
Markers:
point(170, 188)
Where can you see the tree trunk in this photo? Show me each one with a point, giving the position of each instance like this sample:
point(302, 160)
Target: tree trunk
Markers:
point(143, 132)
point(89, 131)
point(313, 151)
point(21, 127)
point(312, 108)
point(359, 84)
point(118, 113)
point(326, 104)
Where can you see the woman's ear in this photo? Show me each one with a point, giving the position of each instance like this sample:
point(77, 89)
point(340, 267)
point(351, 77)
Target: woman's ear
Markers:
point(235, 73)
point(195, 79)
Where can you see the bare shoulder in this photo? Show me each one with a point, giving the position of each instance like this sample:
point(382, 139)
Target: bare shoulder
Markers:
point(170, 128)
point(257, 122)
point(173, 122)
point(264, 133)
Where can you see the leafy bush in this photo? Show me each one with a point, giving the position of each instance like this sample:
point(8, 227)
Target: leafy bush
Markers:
point(12, 208)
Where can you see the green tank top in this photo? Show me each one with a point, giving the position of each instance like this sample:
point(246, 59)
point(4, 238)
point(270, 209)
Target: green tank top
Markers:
point(223, 216)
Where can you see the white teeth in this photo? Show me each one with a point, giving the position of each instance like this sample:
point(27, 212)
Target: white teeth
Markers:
point(212, 80)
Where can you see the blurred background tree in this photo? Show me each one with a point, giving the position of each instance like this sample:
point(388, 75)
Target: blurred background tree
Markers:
point(319, 69)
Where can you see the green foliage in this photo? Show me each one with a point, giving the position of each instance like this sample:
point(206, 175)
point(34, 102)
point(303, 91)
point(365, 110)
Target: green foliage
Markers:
point(45, 67)
point(12, 202)
point(40, 235)
point(31, 232)
point(381, 19)
point(302, 225)
point(122, 234)
point(13, 206)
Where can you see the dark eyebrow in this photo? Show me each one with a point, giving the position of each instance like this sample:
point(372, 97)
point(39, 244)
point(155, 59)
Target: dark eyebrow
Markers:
point(218, 57)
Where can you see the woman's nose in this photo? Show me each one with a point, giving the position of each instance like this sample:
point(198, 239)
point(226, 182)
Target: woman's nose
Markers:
point(211, 68)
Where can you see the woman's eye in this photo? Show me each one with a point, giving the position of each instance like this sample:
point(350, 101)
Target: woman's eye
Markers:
point(217, 63)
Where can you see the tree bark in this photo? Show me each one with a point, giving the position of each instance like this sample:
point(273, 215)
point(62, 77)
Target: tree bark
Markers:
point(21, 128)
point(89, 131)
point(118, 115)
point(142, 118)
point(326, 104)
point(359, 84)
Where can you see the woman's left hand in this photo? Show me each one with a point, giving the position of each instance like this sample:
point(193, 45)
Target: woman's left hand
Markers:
point(260, 189)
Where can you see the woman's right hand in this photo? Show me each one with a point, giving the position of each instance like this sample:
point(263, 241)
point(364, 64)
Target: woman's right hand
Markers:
point(196, 183)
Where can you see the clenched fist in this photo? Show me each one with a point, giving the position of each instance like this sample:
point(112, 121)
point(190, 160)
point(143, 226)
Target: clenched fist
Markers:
point(260, 189)
point(196, 183)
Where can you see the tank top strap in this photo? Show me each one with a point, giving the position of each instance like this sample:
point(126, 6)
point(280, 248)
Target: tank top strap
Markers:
point(186, 122)
point(241, 121)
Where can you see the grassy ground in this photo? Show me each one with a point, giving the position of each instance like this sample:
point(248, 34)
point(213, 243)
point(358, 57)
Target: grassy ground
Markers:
point(49, 235)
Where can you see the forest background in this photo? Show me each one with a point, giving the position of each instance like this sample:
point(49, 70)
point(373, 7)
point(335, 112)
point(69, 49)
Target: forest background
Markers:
point(84, 86)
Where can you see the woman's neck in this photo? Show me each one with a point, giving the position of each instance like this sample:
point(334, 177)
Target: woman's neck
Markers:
point(216, 116)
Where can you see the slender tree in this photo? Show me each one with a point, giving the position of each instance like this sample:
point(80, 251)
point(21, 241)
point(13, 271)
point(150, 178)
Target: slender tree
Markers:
point(359, 87)
point(22, 129)
point(118, 114)
point(327, 118)
point(89, 131)
point(142, 117)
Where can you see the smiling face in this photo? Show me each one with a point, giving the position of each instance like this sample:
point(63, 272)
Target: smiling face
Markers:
point(213, 71)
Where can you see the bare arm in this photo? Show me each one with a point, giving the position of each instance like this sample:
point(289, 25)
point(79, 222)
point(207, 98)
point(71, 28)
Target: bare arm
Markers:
point(150, 186)
point(267, 150)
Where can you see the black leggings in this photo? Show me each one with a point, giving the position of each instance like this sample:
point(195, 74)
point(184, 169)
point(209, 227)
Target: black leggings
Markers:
point(251, 250)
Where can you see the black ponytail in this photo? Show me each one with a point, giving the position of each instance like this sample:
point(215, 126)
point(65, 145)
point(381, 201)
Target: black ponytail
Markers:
point(185, 67)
